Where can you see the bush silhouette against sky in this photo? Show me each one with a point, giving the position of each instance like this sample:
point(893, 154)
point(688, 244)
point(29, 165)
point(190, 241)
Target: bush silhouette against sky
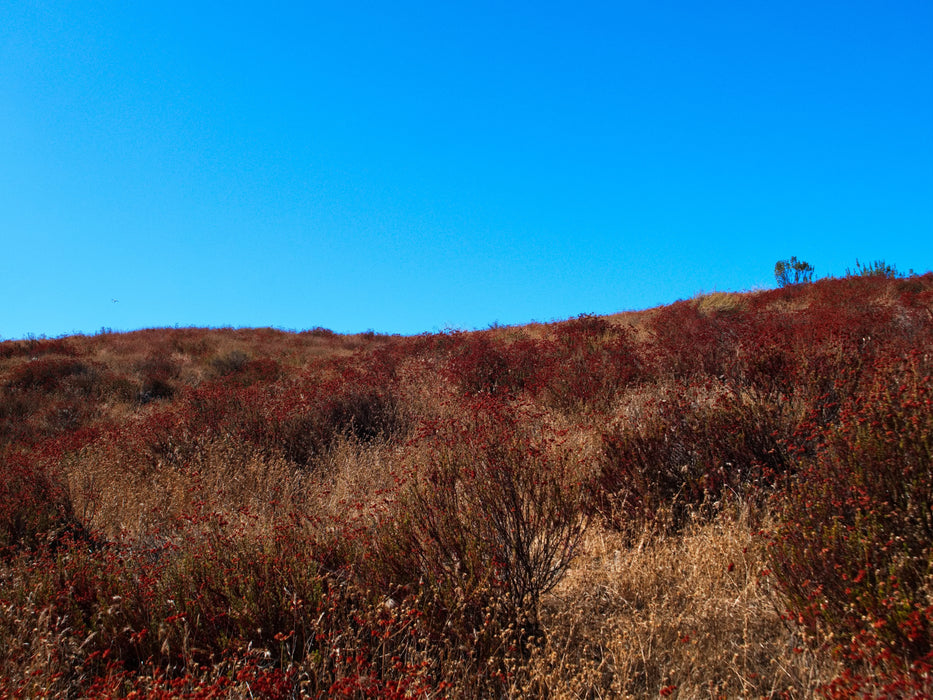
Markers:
point(410, 166)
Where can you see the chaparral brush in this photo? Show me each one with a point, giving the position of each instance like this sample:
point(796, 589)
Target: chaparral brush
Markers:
point(730, 496)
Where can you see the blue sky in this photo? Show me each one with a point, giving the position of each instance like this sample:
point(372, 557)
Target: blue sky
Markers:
point(415, 166)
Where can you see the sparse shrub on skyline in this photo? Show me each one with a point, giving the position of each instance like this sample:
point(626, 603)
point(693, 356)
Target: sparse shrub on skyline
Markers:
point(877, 268)
point(792, 271)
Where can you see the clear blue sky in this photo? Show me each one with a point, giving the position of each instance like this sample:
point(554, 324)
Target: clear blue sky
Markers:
point(412, 166)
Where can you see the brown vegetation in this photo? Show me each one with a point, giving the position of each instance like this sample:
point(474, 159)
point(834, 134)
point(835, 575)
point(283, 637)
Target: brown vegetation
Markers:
point(730, 496)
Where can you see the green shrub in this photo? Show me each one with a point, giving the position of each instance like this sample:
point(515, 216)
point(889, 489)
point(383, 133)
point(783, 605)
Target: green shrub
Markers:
point(792, 271)
point(878, 268)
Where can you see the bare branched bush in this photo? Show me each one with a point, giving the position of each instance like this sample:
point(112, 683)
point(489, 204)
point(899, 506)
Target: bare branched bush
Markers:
point(496, 503)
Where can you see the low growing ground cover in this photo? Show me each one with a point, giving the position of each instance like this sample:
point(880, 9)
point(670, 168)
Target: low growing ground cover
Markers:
point(728, 496)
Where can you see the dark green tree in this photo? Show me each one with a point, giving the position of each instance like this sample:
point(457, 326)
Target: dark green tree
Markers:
point(792, 271)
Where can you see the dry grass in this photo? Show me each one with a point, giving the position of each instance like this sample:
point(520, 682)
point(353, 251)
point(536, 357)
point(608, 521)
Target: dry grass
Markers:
point(690, 616)
point(127, 499)
point(719, 302)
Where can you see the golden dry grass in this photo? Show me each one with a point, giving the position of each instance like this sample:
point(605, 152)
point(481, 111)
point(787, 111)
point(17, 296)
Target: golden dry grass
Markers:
point(719, 302)
point(691, 615)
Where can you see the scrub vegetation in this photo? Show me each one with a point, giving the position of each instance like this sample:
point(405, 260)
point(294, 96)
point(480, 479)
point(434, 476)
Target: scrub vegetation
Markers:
point(728, 496)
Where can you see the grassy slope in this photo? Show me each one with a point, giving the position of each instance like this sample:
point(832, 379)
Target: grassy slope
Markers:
point(727, 496)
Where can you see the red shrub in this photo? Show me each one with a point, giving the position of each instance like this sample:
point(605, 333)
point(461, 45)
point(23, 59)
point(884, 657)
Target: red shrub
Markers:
point(48, 373)
point(33, 505)
point(37, 348)
point(855, 551)
point(589, 364)
point(478, 363)
point(688, 448)
point(159, 374)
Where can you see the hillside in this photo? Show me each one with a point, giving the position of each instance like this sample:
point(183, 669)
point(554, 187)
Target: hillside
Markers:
point(728, 496)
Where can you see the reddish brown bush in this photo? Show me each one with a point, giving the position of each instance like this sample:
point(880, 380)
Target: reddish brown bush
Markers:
point(854, 554)
point(34, 506)
point(495, 512)
point(688, 448)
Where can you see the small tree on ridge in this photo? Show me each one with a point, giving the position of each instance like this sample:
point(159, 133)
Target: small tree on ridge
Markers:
point(792, 271)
